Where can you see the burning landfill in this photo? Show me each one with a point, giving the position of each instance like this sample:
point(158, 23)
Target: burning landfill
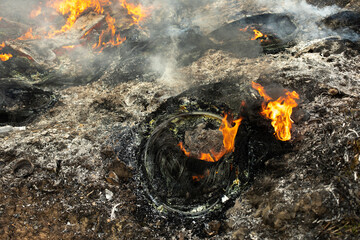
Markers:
point(133, 119)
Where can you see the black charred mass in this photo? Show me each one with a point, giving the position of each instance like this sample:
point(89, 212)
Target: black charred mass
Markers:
point(20, 103)
point(279, 28)
point(343, 20)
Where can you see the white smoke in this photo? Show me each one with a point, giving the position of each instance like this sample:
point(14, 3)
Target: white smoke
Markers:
point(306, 16)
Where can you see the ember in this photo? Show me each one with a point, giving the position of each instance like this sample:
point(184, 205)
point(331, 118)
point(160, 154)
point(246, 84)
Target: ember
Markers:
point(229, 134)
point(4, 56)
point(278, 111)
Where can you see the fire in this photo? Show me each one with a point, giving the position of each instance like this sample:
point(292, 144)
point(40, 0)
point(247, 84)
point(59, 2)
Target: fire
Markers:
point(5, 56)
point(115, 39)
point(29, 35)
point(137, 12)
point(69, 47)
point(278, 111)
point(244, 29)
point(229, 133)
point(36, 12)
point(257, 34)
point(74, 8)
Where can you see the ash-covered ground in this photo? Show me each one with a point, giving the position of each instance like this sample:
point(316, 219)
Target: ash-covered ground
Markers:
point(81, 144)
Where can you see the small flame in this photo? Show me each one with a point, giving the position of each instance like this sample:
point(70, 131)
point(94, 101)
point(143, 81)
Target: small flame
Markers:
point(137, 12)
point(278, 111)
point(5, 56)
point(115, 39)
point(229, 134)
point(29, 35)
point(257, 34)
point(36, 12)
point(244, 29)
point(69, 47)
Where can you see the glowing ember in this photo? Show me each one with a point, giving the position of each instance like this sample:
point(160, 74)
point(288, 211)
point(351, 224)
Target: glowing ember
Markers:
point(197, 178)
point(4, 57)
point(29, 35)
point(137, 12)
point(229, 134)
point(115, 39)
point(278, 111)
point(36, 12)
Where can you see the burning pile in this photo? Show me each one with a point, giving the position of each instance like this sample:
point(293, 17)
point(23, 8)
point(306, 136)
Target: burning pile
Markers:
point(278, 111)
point(82, 17)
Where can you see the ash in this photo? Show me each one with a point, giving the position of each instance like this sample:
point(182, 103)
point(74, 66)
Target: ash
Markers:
point(84, 141)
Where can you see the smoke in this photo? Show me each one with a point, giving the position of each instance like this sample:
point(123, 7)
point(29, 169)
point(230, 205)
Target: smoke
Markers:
point(306, 16)
point(175, 33)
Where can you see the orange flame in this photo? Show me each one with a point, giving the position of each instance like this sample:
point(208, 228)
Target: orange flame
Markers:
point(244, 29)
point(36, 12)
point(74, 8)
point(278, 111)
point(5, 56)
point(257, 34)
point(137, 12)
point(197, 178)
point(29, 35)
point(69, 47)
point(229, 134)
point(115, 39)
